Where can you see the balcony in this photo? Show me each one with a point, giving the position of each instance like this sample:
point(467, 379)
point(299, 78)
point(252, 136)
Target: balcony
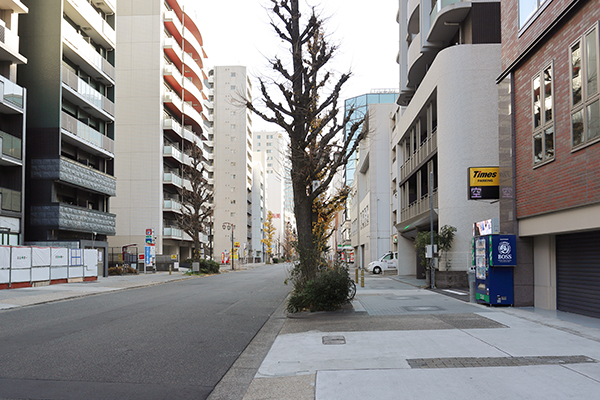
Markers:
point(10, 200)
point(11, 97)
point(192, 45)
point(193, 69)
point(83, 14)
point(9, 46)
point(172, 152)
point(12, 153)
point(172, 125)
point(81, 51)
point(172, 232)
point(108, 6)
point(174, 77)
point(444, 16)
point(96, 142)
point(427, 149)
point(191, 113)
point(173, 50)
point(172, 23)
point(73, 218)
point(172, 205)
point(173, 101)
point(83, 94)
point(173, 178)
point(75, 174)
point(418, 209)
point(192, 94)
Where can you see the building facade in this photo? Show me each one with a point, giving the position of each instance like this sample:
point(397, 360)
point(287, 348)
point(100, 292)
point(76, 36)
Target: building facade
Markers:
point(371, 235)
point(12, 126)
point(550, 192)
point(162, 123)
point(443, 126)
point(233, 161)
point(70, 47)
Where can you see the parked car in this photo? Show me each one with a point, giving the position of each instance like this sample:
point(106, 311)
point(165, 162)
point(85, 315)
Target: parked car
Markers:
point(388, 262)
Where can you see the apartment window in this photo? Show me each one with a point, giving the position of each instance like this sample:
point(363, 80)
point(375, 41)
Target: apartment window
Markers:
point(258, 144)
point(269, 151)
point(232, 201)
point(232, 87)
point(232, 176)
point(528, 8)
point(233, 74)
point(543, 116)
point(258, 136)
point(233, 163)
point(585, 105)
point(269, 144)
point(270, 158)
point(233, 126)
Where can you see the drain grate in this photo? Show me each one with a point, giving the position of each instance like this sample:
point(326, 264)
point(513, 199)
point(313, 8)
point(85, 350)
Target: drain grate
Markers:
point(479, 362)
point(334, 340)
point(422, 308)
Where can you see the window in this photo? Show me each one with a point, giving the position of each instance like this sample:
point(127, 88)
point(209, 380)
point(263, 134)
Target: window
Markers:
point(269, 151)
point(233, 163)
point(232, 87)
point(543, 116)
point(232, 201)
point(269, 144)
point(233, 126)
point(528, 8)
point(270, 158)
point(232, 176)
point(233, 74)
point(258, 136)
point(585, 103)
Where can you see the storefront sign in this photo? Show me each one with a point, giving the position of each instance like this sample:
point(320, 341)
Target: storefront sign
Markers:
point(484, 183)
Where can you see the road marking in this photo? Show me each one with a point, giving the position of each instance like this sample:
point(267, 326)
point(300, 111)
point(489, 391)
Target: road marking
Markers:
point(455, 292)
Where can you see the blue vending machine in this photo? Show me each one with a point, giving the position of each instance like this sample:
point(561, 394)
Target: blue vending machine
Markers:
point(494, 257)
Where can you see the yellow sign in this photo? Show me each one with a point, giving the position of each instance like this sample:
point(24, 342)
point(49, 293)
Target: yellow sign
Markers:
point(237, 244)
point(485, 176)
point(173, 256)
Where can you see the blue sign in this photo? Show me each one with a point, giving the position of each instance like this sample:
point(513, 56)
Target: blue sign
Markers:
point(503, 250)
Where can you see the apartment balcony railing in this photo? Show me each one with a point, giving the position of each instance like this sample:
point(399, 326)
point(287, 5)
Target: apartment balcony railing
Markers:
point(11, 146)
point(173, 178)
point(172, 232)
point(11, 93)
point(73, 218)
point(86, 51)
point(9, 46)
point(10, 200)
point(171, 151)
point(173, 49)
point(75, 174)
point(193, 64)
point(86, 133)
point(173, 125)
point(172, 74)
point(172, 21)
point(419, 207)
point(171, 205)
point(91, 22)
point(191, 39)
point(87, 92)
point(170, 97)
point(190, 88)
point(438, 6)
point(444, 16)
point(427, 148)
point(191, 112)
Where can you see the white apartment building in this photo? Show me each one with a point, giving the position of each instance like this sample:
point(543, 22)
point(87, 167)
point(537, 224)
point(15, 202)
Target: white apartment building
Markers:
point(259, 207)
point(447, 121)
point(12, 126)
point(233, 160)
point(371, 232)
point(161, 116)
point(275, 147)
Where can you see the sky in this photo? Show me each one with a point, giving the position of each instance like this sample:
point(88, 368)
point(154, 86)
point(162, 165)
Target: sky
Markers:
point(237, 32)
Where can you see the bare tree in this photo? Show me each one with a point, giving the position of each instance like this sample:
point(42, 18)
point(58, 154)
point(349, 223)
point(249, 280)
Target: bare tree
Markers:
point(196, 201)
point(304, 102)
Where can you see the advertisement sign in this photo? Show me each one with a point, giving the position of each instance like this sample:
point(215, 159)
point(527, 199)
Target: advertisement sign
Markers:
point(484, 183)
point(149, 254)
point(503, 250)
point(487, 227)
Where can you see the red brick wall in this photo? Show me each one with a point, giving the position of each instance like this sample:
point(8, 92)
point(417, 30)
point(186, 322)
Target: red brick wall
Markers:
point(572, 179)
point(514, 45)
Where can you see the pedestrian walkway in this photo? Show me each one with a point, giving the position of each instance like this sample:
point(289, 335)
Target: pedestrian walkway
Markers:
point(401, 341)
point(12, 298)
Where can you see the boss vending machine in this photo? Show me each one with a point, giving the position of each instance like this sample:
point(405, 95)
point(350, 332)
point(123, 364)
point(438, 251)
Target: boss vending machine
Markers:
point(494, 257)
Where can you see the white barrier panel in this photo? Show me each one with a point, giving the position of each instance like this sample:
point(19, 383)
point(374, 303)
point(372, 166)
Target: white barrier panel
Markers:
point(90, 260)
point(5, 257)
point(39, 274)
point(19, 275)
point(58, 273)
point(76, 263)
point(60, 257)
point(41, 256)
point(20, 258)
point(4, 275)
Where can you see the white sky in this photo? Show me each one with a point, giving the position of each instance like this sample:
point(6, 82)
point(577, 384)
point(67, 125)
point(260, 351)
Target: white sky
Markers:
point(237, 32)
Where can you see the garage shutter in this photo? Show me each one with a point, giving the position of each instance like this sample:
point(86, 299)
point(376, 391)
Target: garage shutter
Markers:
point(578, 273)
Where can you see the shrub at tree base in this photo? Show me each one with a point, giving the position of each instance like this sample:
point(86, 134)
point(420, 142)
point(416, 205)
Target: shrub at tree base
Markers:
point(209, 266)
point(327, 292)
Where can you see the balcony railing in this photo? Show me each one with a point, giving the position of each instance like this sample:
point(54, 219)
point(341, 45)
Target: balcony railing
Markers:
point(171, 151)
point(83, 131)
point(173, 125)
point(11, 146)
point(73, 218)
point(11, 92)
point(174, 178)
point(438, 6)
point(428, 147)
point(11, 199)
point(11, 43)
point(171, 205)
point(419, 207)
point(172, 232)
point(87, 92)
point(86, 50)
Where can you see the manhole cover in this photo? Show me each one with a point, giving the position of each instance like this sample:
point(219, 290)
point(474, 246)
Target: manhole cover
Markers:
point(334, 340)
point(423, 308)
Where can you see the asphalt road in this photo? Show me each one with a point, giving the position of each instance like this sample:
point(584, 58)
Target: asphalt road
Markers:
point(171, 341)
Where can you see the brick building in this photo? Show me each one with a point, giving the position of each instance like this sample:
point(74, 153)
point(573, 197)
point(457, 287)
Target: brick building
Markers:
point(550, 151)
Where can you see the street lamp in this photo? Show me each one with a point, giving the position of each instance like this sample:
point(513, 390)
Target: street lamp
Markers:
point(230, 226)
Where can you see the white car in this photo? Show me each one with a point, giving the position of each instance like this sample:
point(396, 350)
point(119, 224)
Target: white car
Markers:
point(388, 262)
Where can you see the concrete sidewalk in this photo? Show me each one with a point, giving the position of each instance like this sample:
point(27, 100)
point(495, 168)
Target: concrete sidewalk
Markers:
point(401, 341)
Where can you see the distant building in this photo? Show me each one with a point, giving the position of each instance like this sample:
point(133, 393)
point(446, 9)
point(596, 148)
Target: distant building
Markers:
point(70, 46)
point(550, 151)
point(12, 127)
point(447, 122)
point(162, 115)
point(233, 160)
